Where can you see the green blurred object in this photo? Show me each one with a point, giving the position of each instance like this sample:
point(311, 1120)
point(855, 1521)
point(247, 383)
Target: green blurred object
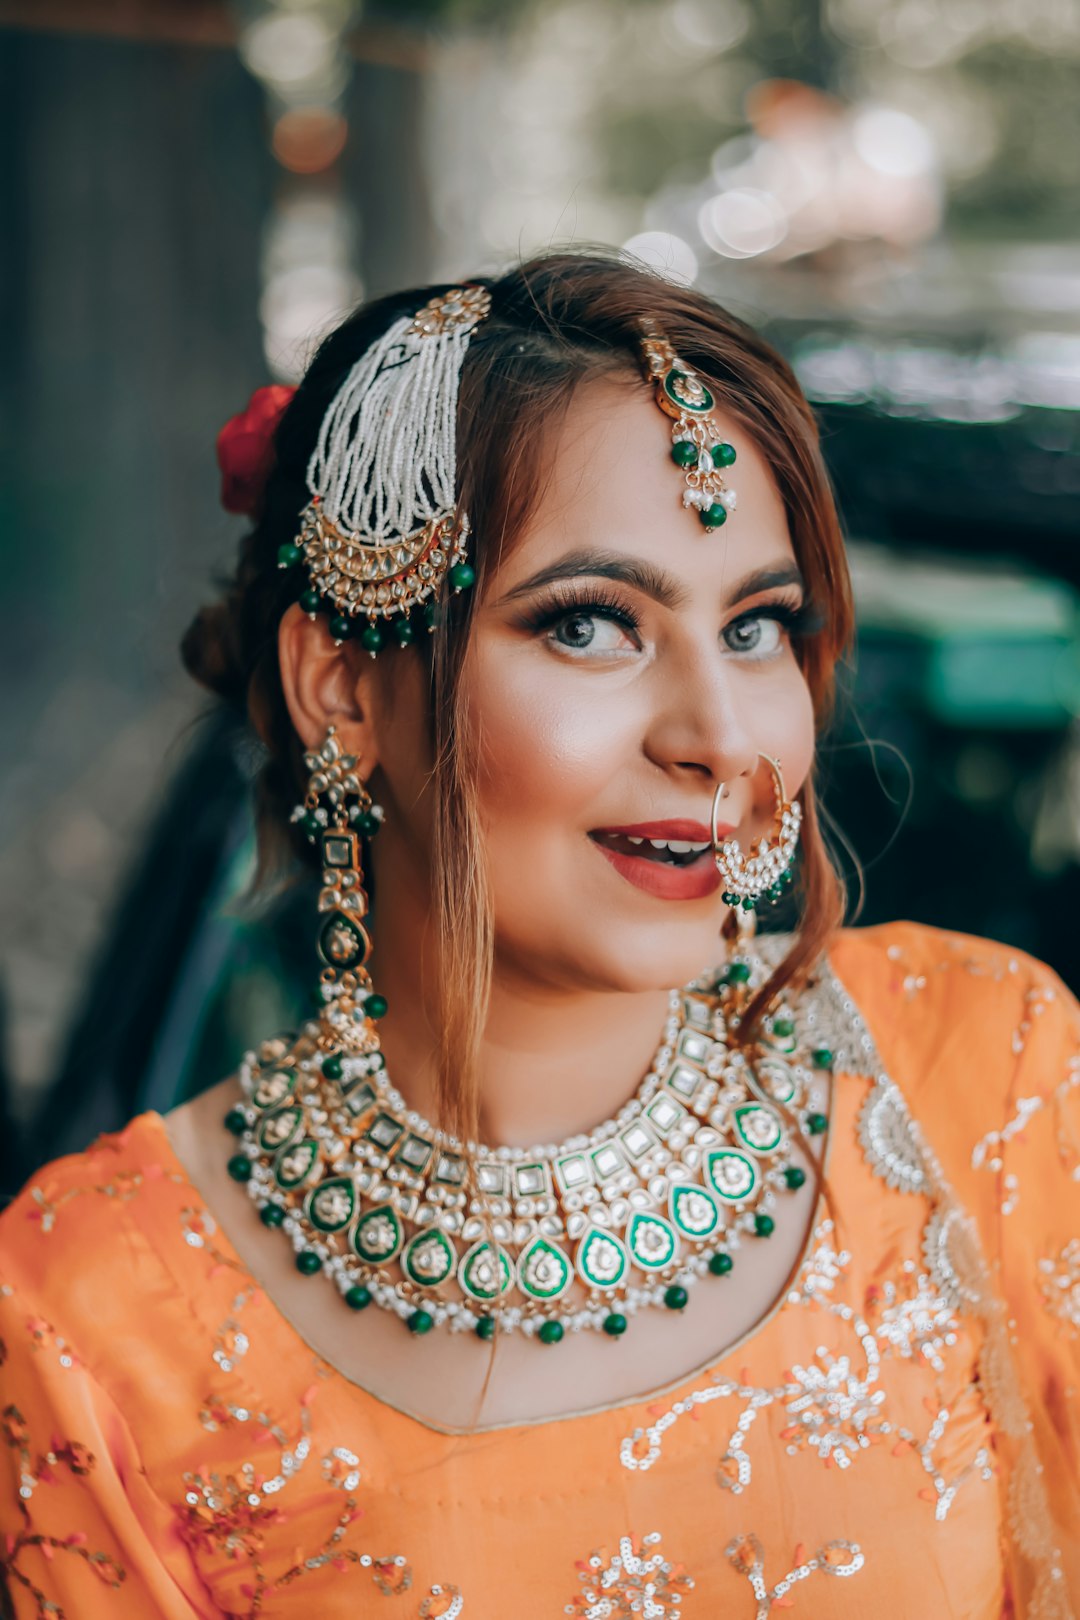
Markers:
point(970, 644)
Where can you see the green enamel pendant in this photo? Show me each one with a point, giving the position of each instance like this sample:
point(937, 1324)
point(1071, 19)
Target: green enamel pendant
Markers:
point(331, 1205)
point(343, 943)
point(544, 1272)
point(694, 1212)
point(274, 1088)
point(294, 1164)
point(759, 1127)
point(429, 1259)
point(601, 1258)
point(652, 1241)
point(279, 1129)
point(485, 1273)
point(731, 1174)
point(377, 1237)
point(775, 1077)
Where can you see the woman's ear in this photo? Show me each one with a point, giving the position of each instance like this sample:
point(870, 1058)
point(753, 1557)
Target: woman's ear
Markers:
point(325, 684)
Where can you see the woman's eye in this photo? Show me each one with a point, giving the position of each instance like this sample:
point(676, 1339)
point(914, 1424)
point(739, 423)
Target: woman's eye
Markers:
point(589, 633)
point(757, 634)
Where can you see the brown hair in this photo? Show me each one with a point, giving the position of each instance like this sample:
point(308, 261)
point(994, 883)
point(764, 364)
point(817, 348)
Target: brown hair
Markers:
point(556, 321)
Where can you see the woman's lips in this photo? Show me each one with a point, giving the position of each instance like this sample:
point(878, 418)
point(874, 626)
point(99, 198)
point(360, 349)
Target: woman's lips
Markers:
point(694, 881)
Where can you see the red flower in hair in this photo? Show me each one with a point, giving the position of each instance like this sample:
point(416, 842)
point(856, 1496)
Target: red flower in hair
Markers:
point(245, 449)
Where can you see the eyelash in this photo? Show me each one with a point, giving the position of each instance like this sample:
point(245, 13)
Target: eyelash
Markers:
point(799, 619)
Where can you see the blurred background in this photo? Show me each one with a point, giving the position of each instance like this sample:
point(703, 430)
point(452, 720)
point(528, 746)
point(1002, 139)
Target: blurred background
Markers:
point(195, 190)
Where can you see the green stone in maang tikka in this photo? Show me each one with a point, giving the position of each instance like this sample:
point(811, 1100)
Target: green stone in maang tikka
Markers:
point(688, 393)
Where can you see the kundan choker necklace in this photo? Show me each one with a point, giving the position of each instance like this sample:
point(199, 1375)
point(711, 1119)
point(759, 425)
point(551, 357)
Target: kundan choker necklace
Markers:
point(540, 1241)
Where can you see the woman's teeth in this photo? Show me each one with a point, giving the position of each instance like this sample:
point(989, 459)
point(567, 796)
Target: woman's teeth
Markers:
point(674, 851)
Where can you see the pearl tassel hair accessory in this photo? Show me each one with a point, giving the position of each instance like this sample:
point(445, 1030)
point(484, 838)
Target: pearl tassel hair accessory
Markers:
point(382, 530)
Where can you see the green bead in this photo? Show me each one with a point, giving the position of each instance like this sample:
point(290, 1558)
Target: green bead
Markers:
point(794, 1175)
point(367, 824)
point(684, 452)
point(405, 633)
point(550, 1333)
point(461, 576)
point(749, 903)
point(308, 1262)
point(764, 1225)
point(729, 899)
point(235, 1121)
point(783, 1026)
point(816, 1123)
point(420, 1322)
point(341, 627)
point(311, 824)
point(372, 638)
point(272, 1215)
point(376, 1006)
point(357, 1298)
point(738, 973)
point(714, 516)
point(822, 1058)
point(676, 1297)
point(431, 615)
point(723, 455)
point(485, 1327)
point(331, 1066)
point(720, 1264)
point(240, 1167)
point(288, 555)
point(310, 601)
point(615, 1324)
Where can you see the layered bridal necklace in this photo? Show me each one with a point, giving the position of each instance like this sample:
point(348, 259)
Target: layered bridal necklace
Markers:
point(680, 1185)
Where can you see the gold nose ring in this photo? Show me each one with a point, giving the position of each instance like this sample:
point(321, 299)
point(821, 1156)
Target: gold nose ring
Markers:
point(750, 876)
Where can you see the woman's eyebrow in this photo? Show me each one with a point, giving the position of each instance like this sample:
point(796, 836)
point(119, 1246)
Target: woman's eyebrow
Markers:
point(645, 576)
point(614, 565)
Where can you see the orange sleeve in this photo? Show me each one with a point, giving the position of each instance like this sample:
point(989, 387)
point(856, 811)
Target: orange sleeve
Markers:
point(82, 1534)
point(1033, 1154)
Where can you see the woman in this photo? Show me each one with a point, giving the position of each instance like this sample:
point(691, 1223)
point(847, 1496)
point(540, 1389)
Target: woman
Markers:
point(801, 1306)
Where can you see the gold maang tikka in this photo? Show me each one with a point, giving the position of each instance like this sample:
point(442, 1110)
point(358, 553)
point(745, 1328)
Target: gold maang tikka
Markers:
point(696, 444)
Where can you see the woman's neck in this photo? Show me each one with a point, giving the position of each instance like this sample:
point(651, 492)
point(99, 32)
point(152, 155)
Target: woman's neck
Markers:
point(553, 1061)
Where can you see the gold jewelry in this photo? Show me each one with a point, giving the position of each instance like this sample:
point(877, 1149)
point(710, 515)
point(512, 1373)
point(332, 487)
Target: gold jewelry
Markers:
point(766, 871)
point(696, 443)
point(382, 531)
point(542, 1241)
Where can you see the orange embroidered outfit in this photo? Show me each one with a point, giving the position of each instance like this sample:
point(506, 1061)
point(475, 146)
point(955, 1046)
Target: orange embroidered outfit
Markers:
point(900, 1436)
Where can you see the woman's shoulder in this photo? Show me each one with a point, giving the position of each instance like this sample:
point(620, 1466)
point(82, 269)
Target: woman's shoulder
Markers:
point(95, 1238)
point(982, 1039)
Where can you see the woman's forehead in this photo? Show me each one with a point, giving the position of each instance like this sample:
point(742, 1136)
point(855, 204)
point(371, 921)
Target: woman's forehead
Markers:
point(610, 484)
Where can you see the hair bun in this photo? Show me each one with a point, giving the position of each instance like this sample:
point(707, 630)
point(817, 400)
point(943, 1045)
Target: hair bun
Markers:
point(211, 650)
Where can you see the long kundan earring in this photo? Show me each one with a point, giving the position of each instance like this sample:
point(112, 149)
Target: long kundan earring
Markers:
point(336, 813)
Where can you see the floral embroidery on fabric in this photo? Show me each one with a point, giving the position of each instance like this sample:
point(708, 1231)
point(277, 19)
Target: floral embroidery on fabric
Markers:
point(987, 1155)
point(1059, 1283)
point(834, 1405)
point(630, 1583)
point(442, 1603)
point(44, 1468)
point(122, 1187)
point(747, 1556)
point(235, 1513)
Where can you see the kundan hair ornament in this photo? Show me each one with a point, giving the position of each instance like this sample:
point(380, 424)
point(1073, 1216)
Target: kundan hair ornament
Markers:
point(382, 530)
point(696, 443)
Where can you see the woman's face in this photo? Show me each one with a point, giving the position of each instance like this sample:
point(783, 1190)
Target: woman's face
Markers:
point(622, 663)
